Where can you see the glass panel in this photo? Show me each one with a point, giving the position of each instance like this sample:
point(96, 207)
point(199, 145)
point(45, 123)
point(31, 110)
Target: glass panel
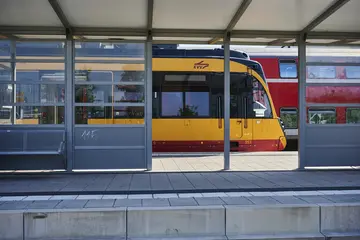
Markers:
point(40, 93)
point(261, 104)
point(353, 115)
point(109, 115)
point(40, 50)
point(40, 115)
point(6, 91)
point(196, 104)
point(94, 76)
point(34, 74)
point(288, 70)
point(333, 94)
point(5, 71)
point(289, 117)
point(5, 114)
point(93, 50)
point(171, 104)
point(109, 93)
point(4, 49)
point(322, 116)
point(352, 72)
point(321, 72)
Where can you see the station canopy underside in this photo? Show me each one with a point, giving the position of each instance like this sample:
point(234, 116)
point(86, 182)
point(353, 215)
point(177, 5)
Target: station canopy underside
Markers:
point(250, 22)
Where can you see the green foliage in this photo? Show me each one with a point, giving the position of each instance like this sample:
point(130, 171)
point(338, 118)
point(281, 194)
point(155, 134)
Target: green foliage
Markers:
point(353, 115)
point(188, 111)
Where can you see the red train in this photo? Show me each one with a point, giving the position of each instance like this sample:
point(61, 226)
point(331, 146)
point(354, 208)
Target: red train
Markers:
point(338, 71)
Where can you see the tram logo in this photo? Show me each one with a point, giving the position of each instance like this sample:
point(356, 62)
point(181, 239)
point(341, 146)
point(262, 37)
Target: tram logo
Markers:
point(201, 65)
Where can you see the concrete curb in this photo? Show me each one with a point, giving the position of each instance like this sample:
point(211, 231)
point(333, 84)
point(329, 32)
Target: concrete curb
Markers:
point(287, 222)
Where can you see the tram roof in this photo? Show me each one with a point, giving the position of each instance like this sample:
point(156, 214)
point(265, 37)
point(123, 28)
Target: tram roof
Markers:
point(258, 22)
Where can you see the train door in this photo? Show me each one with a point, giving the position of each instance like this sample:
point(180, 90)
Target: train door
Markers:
point(240, 110)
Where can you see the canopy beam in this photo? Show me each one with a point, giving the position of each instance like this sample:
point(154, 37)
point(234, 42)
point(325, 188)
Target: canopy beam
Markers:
point(59, 12)
point(235, 19)
point(324, 15)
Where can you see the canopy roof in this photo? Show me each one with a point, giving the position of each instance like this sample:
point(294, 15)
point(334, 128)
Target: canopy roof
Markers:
point(259, 22)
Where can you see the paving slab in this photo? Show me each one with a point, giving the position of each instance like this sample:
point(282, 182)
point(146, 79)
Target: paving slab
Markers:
point(100, 203)
point(43, 204)
point(68, 204)
point(128, 203)
point(208, 201)
point(183, 202)
point(159, 202)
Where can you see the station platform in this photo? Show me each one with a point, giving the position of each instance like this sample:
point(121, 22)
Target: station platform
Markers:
point(211, 216)
point(175, 182)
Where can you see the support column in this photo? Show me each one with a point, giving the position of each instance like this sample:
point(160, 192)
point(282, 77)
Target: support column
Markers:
point(13, 78)
point(227, 101)
point(69, 101)
point(148, 102)
point(301, 41)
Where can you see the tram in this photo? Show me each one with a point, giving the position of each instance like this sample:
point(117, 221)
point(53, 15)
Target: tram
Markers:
point(188, 97)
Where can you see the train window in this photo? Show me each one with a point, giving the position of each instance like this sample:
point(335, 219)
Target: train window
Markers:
point(261, 103)
point(352, 72)
point(289, 117)
point(315, 72)
point(197, 103)
point(5, 114)
point(353, 115)
point(322, 116)
point(288, 69)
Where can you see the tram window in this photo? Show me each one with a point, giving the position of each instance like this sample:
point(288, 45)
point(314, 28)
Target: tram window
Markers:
point(352, 72)
point(322, 116)
point(353, 115)
point(288, 69)
point(289, 117)
point(171, 104)
point(261, 103)
point(197, 103)
point(327, 72)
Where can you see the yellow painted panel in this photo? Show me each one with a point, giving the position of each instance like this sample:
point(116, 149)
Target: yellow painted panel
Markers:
point(30, 121)
point(266, 129)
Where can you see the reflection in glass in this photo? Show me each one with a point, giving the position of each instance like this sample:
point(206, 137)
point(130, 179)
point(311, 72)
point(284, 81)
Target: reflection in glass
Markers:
point(196, 104)
point(171, 104)
point(40, 115)
point(353, 115)
point(40, 49)
point(352, 72)
point(321, 72)
point(322, 116)
point(40, 93)
point(288, 70)
point(5, 72)
point(261, 103)
point(5, 114)
point(289, 117)
point(102, 49)
point(6, 93)
point(107, 115)
point(41, 75)
point(109, 94)
point(4, 49)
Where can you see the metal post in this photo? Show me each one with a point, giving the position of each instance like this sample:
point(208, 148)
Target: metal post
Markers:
point(227, 101)
point(13, 78)
point(69, 101)
point(148, 102)
point(302, 101)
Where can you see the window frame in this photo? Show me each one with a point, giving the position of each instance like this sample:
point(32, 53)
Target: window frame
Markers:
point(346, 74)
point(253, 116)
point(321, 109)
point(293, 61)
point(346, 114)
point(308, 72)
point(297, 115)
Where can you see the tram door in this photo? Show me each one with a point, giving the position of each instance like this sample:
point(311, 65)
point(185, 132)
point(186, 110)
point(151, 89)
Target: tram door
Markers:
point(240, 111)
